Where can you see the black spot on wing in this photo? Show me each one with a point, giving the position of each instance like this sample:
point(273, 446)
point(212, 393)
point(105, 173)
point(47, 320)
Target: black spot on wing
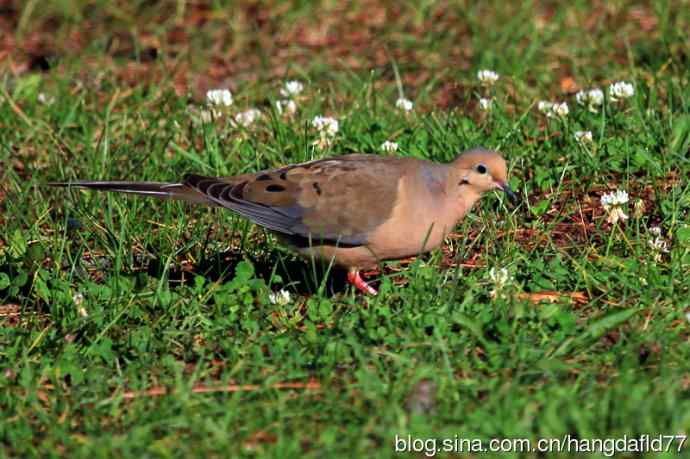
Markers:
point(317, 188)
point(286, 220)
point(263, 177)
point(275, 188)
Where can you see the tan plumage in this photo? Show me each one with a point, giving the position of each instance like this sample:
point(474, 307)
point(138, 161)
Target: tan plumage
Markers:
point(355, 210)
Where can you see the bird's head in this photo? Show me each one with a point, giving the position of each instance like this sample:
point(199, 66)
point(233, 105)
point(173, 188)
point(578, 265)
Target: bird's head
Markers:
point(480, 170)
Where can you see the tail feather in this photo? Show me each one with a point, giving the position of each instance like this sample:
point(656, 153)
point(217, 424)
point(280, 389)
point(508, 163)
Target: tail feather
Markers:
point(156, 189)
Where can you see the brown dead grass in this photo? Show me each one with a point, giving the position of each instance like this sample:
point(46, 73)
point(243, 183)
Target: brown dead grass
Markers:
point(268, 40)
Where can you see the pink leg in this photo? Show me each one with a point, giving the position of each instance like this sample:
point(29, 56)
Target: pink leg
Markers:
point(355, 279)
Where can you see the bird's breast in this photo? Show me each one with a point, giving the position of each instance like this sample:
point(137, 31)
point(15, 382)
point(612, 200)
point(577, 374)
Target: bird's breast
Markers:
point(419, 223)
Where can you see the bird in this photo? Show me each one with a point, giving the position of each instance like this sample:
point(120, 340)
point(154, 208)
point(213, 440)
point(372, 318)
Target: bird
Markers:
point(354, 210)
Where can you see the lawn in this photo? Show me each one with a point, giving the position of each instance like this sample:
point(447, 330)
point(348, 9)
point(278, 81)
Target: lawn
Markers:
point(133, 327)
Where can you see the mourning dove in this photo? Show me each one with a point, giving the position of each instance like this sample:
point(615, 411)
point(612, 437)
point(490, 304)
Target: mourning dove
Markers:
point(354, 210)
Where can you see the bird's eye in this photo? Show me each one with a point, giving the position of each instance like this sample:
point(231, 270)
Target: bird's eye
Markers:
point(481, 169)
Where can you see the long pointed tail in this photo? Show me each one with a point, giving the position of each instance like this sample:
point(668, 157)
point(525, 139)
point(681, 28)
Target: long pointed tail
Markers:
point(156, 189)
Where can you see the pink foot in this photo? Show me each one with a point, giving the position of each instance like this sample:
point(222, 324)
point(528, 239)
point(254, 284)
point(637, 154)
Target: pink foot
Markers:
point(355, 279)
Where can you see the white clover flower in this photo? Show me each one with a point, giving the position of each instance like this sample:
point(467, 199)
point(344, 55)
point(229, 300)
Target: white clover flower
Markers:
point(485, 104)
point(658, 244)
point(280, 298)
point(593, 96)
point(291, 88)
point(621, 90)
point(561, 109)
point(612, 203)
point(582, 97)
point(287, 106)
point(78, 299)
point(592, 99)
point(207, 116)
point(487, 77)
point(404, 104)
point(202, 115)
point(687, 316)
point(248, 117)
point(545, 107)
point(596, 96)
point(221, 97)
point(45, 99)
point(389, 146)
point(501, 278)
point(615, 214)
point(326, 124)
point(328, 128)
point(583, 136)
point(553, 109)
point(614, 198)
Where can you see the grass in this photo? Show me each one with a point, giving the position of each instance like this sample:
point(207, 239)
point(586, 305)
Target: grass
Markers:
point(134, 327)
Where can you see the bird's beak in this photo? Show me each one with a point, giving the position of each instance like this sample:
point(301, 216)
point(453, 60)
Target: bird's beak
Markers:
point(514, 199)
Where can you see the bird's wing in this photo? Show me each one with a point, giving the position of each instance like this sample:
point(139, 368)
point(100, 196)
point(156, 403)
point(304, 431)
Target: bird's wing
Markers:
point(341, 199)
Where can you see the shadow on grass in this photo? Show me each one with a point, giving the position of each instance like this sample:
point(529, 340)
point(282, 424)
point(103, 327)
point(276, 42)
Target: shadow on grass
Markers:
point(301, 276)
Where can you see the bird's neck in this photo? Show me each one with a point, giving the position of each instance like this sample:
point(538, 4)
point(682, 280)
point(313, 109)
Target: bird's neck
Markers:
point(466, 199)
